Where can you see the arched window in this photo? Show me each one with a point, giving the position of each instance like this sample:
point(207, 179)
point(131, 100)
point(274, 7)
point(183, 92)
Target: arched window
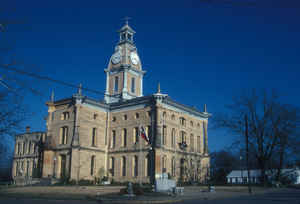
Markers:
point(123, 166)
point(116, 88)
point(24, 147)
point(29, 147)
point(124, 137)
point(135, 135)
point(135, 166)
point(182, 121)
point(27, 168)
point(65, 116)
point(112, 166)
point(183, 136)
point(173, 117)
point(164, 135)
point(92, 165)
point(19, 148)
point(173, 137)
point(64, 135)
point(198, 144)
point(164, 164)
point(113, 139)
point(192, 143)
point(173, 171)
point(94, 137)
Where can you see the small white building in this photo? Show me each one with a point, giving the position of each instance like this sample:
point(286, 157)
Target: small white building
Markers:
point(241, 176)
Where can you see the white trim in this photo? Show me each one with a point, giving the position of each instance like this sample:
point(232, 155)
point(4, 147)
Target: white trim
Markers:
point(129, 108)
point(182, 111)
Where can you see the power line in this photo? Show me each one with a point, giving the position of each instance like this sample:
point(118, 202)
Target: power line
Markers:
point(6, 67)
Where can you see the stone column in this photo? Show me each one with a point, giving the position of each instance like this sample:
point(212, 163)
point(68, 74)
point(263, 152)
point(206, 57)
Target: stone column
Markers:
point(125, 82)
point(141, 87)
point(205, 138)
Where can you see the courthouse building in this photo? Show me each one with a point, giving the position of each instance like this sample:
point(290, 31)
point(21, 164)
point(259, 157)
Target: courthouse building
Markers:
point(86, 137)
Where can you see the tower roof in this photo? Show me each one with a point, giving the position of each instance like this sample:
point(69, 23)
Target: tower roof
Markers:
point(126, 27)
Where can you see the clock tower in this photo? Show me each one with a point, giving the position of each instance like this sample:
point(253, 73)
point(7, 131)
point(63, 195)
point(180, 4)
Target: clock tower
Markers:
point(124, 74)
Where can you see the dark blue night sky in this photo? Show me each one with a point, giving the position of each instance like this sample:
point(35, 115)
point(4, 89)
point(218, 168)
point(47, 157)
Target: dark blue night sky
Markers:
point(203, 51)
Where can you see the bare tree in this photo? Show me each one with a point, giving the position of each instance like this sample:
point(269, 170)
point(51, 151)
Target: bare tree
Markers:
point(272, 125)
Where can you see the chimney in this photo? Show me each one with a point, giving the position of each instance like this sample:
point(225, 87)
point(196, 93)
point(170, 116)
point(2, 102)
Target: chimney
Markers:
point(27, 129)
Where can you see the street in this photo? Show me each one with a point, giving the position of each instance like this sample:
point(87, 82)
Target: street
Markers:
point(288, 196)
point(285, 196)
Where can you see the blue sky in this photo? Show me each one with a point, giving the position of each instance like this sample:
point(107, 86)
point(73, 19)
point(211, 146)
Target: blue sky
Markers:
point(200, 51)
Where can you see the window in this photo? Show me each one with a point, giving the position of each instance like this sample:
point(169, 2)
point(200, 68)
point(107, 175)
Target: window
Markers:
point(123, 36)
point(135, 135)
point(17, 169)
point(164, 164)
point(19, 148)
point(125, 117)
point(124, 137)
point(63, 135)
point(198, 143)
point(183, 136)
point(191, 124)
point(173, 138)
point(114, 119)
point(94, 137)
point(129, 36)
point(95, 116)
point(92, 165)
point(65, 115)
point(137, 115)
point(112, 166)
point(133, 85)
point(27, 168)
point(35, 148)
point(173, 117)
point(149, 113)
point(164, 134)
point(182, 121)
point(164, 115)
point(24, 147)
point(116, 88)
point(29, 148)
point(113, 139)
point(123, 166)
point(192, 142)
point(173, 170)
point(135, 166)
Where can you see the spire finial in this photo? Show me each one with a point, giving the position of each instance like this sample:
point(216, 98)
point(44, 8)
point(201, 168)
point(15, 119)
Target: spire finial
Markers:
point(205, 108)
point(80, 89)
point(52, 96)
point(158, 87)
point(126, 19)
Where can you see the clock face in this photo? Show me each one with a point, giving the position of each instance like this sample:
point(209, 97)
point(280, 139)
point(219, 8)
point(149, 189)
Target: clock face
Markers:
point(116, 58)
point(134, 58)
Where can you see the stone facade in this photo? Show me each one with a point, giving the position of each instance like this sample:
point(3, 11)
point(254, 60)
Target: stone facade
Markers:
point(88, 138)
point(28, 155)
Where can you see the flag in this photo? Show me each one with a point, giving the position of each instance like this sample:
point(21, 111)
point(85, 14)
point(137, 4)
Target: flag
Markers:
point(144, 135)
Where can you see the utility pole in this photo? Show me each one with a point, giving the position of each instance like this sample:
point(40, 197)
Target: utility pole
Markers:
point(247, 154)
